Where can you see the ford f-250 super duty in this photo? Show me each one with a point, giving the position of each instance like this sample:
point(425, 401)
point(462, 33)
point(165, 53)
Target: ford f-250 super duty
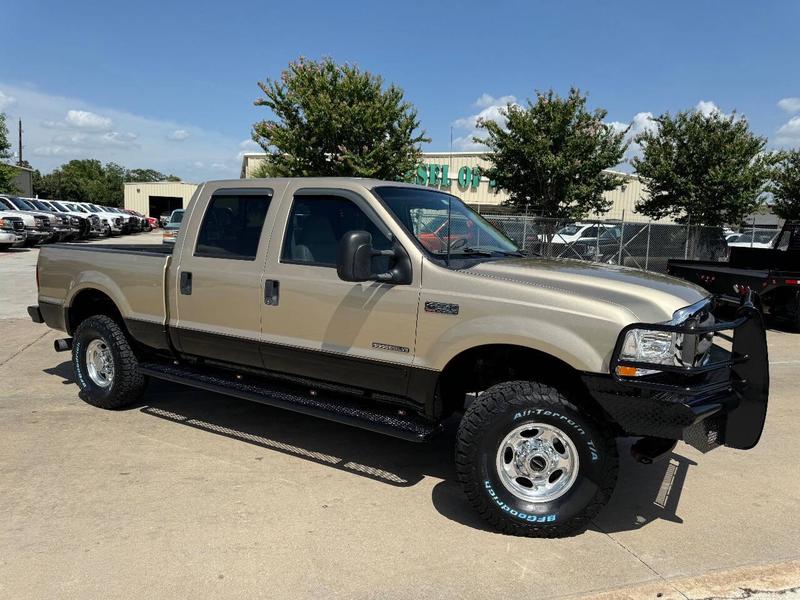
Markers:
point(317, 295)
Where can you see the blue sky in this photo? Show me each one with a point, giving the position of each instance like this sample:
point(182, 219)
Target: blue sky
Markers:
point(171, 85)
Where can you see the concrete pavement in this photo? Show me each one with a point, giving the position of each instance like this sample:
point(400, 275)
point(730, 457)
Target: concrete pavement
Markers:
point(197, 495)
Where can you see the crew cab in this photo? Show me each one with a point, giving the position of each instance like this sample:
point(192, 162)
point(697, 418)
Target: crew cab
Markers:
point(319, 295)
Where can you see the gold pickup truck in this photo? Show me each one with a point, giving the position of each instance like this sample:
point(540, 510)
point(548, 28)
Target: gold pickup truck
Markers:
point(391, 307)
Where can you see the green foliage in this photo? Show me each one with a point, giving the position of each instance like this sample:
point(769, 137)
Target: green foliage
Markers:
point(88, 180)
point(337, 120)
point(786, 185)
point(551, 155)
point(709, 169)
point(7, 172)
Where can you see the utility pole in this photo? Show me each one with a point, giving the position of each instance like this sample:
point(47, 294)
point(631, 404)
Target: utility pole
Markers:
point(19, 155)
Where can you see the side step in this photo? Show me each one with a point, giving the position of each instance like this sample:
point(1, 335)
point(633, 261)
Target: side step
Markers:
point(317, 403)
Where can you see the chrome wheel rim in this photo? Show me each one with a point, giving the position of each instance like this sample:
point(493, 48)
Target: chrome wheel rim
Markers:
point(537, 462)
point(100, 363)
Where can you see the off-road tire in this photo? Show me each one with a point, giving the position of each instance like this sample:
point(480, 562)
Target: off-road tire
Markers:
point(494, 414)
point(128, 383)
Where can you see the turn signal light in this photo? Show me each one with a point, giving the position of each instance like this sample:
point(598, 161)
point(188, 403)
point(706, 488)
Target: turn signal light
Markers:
point(626, 371)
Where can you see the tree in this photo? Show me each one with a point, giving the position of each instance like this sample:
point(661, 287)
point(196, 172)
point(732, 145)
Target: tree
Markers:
point(708, 169)
point(7, 172)
point(337, 120)
point(551, 155)
point(145, 175)
point(88, 180)
point(786, 185)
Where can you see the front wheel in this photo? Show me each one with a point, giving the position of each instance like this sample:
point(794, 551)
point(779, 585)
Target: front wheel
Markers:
point(531, 463)
point(105, 365)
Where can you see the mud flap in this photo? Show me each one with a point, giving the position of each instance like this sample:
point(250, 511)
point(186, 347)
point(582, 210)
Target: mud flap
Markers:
point(745, 423)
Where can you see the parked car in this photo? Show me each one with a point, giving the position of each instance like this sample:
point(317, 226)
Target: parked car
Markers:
point(163, 219)
point(79, 227)
point(172, 227)
point(100, 227)
point(114, 220)
point(317, 295)
point(37, 226)
point(763, 239)
point(58, 226)
point(12, 230)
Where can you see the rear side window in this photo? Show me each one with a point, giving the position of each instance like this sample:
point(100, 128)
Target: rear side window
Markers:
point(317, 224)
point(232, 225)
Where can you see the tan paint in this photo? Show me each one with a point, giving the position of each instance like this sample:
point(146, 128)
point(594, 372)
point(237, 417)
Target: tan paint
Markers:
point(569, 309)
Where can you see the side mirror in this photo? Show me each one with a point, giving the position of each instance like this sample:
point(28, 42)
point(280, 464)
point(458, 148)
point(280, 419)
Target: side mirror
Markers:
point(355, 256)
point(355, 260)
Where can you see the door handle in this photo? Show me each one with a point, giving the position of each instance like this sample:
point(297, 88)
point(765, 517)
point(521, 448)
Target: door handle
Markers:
point(186, 283)
point(271, 292)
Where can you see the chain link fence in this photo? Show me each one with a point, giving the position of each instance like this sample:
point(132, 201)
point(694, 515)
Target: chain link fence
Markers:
point(633, 244)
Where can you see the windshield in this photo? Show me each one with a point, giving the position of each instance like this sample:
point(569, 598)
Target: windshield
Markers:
point(5, 205)
point(24, 205)
point(59, 206)
point(96, 208)
point(569, 230)
point(433, 217)
point(41, 205)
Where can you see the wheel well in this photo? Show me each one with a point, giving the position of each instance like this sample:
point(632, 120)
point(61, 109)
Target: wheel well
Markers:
point(479, 368)
point(92, 302)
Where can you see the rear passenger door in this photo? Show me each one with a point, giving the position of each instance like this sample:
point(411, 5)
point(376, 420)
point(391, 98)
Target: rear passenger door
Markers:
point(219, 280)
point(320, 327)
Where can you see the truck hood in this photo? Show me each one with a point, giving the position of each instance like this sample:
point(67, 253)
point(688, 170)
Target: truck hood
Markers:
point(650, 297)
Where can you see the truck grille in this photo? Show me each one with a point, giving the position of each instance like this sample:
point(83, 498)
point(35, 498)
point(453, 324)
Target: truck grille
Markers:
point(118, 221)
point(41, 223)
point(75, 221)
point(17, 224)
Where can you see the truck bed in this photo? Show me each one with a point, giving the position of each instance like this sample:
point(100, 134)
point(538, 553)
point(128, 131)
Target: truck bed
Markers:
point(133, 277)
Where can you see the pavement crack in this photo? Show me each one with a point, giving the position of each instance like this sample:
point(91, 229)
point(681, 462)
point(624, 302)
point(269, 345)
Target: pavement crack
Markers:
point(25, 347)
point(637, 557)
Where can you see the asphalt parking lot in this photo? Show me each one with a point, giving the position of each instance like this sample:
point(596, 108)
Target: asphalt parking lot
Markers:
point(192, 494)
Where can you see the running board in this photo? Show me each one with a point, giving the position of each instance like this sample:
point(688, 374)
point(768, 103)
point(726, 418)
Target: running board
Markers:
point(317, 403)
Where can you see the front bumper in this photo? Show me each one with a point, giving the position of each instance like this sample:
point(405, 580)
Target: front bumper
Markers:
point(15, 238)
point(721, 402)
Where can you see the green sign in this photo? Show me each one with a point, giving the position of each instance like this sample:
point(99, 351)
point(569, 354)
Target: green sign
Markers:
point(439, 176)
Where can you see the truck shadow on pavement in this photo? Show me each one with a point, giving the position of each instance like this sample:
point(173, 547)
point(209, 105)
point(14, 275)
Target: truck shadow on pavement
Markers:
point(644, 493)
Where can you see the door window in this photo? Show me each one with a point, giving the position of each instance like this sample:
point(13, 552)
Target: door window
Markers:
point(232, 225)
point(317, 224)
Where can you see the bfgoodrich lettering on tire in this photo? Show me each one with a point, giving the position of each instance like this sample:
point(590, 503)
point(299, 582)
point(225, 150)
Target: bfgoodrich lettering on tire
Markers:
point(105, 365)
point(531, 463)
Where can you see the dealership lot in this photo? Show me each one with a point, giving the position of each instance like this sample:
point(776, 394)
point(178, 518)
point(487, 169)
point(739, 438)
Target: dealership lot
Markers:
point(193, 494)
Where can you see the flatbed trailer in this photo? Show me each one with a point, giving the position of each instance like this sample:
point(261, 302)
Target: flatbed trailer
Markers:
point(772, 272)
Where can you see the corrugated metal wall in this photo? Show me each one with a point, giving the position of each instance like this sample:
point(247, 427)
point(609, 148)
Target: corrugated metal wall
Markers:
point(479, 192)
point(137, 195)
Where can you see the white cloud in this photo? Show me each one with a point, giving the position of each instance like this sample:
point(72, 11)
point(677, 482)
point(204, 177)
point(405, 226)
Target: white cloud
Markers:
point(641, 122)
point(178, 135)
point(247, 146)
point(84, 119)
point(789, 132)
point(706, 108)
point(492, 109)
point(58, 129)
point(790, 105)
point(6, 101)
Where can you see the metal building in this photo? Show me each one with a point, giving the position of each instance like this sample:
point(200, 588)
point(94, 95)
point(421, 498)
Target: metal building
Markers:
point(155, 198)
point(460, 174)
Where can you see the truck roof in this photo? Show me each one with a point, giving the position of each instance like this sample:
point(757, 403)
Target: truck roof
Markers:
point(365, 182)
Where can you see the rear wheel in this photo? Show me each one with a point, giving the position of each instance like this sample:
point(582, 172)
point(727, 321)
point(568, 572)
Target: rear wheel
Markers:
point(105, 365)
point(532, 463)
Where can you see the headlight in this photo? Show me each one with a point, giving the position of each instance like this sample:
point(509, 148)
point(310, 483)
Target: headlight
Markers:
point(5, 224)
point(667, 347)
